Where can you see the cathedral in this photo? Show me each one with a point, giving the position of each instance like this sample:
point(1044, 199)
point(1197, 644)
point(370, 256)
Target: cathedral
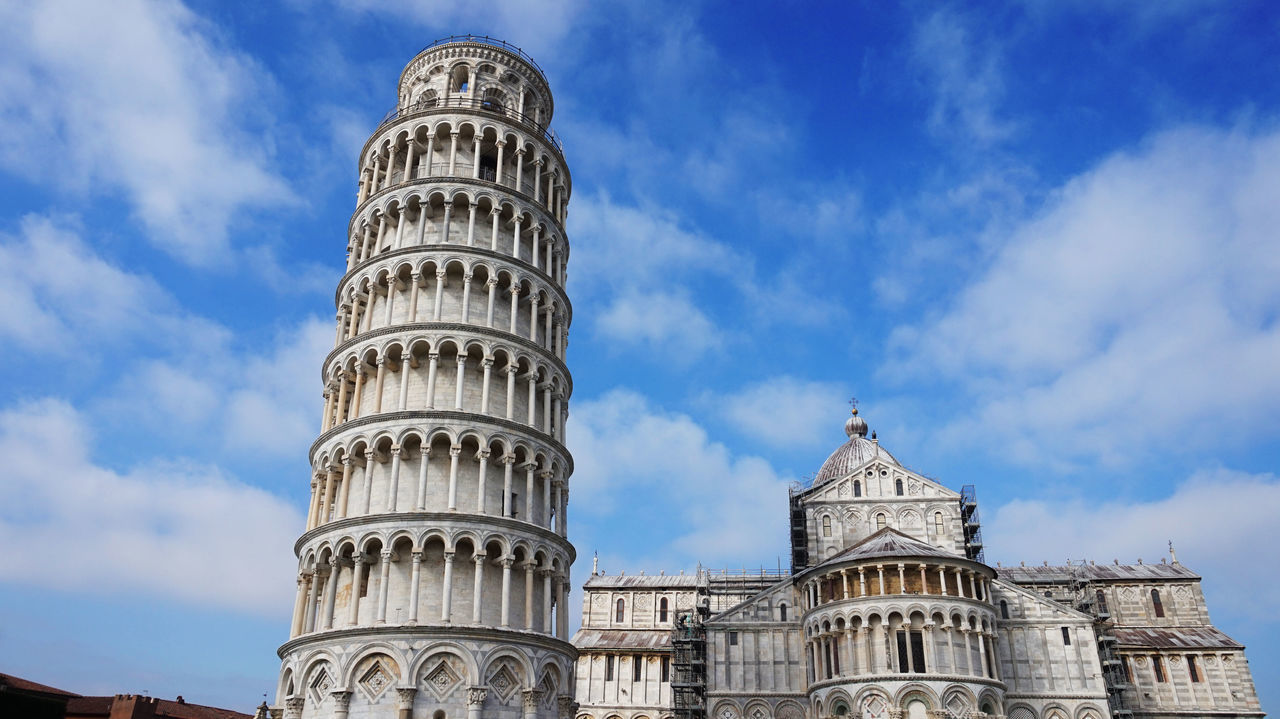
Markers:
point(433, 572)
point(889, 610)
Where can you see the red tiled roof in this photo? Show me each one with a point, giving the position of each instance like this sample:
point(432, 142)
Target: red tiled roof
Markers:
point(26, 685)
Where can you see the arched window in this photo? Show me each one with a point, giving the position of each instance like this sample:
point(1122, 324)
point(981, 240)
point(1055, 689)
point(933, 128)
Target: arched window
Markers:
point(621, 612)
point(662, 609)
point(494, 100)
point(459, 80)
point(857, 488)
point(897, 487)
point(826, 526)
point(1155, 602)
point(1004, 609)
point(1102, 602)
point(426, 99)
point(880, 521)
point(782, 612)
point(937, 523)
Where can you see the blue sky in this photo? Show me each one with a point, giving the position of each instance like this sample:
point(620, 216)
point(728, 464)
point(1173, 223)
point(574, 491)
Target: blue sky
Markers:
point(1037, 240)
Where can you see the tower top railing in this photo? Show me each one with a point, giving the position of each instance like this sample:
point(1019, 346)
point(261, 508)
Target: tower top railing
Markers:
point(467, 102)
point(494, 42)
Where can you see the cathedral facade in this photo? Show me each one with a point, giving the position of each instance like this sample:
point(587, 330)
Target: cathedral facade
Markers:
point(889, 610)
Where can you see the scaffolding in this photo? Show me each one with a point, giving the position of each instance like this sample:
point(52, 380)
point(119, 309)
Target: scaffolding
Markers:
point(1092, 601)
point(689, 663)
point(799, 531)
point(972, 526)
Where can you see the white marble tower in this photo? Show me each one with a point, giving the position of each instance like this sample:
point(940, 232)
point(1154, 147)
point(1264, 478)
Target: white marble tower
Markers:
point(434, 569)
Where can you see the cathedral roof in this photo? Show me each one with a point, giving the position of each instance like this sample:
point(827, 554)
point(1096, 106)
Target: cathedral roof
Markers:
point(1059, 574)
point(889, 542)
point(651, 581)
point(853, 454)
point(1204, 637)
point(628, 639)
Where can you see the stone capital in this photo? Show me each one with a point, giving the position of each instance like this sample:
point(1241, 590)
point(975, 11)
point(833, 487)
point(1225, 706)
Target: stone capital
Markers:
point(416, 557)
point(476, 695)
point(529, 699)
point(341, 699)
point(405, 697)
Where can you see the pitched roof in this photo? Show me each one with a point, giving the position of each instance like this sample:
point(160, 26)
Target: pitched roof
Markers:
point(889, 542)
point(10, 682)
point(1204, 637)
point(628, 639)
point(638, 581)
point(1057, 574)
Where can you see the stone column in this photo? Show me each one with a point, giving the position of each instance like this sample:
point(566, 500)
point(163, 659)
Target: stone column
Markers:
point(453, 153)
point(880, 569)
point(422, 223)
point(520, 169)
point(410, 145)
point(383, 579)
point(475, 158)
point(447, 224)
point(313, 598)
point(528, 594)
point(537, 231)
point(902, 578)
point(293, 707)
point(415, 285)
point(354, 411)
point(346, 485)
point(429, 152)
point(844, 583)
point(331, 593)
point(391, 164)
point(420, 503)
point(515, 305)
point(862, 582)
point(471, 223)
point(433, 363)
point(402, 215)
point(547, 577)
point(515, 237)
point(369, 459)
point(507, 462)
point(477, 590)
point(492, 284)
point(942, 577)
point(379, 384)
point(460, 382)
point(529, 702)
point(506, 591)
point(482, 476)
point(414, 579)
point(512, 370)
point(924, 582)
point(299, 605)
point(466, 298)
point(393, 489)
point(446, 600)
point(439, 303)
point(405, 695)
point(498, 173)
point(529, 502)
point(357, 578)
point(487, 365)
point(496, 215)
point(341, 703)
point(475, 701)
point(454, 451)
point(533, 317)
point(968, 653)
point(406, 364)
point(533, 399)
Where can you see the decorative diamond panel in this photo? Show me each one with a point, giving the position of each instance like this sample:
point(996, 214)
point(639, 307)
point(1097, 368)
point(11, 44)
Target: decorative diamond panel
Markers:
point(375, 681)
point(875, 708)
point(956, 705)
point(504, 684)
point(320, 685)
point(441, 681)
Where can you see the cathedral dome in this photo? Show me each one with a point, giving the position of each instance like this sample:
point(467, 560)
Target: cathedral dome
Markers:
point(852, 454)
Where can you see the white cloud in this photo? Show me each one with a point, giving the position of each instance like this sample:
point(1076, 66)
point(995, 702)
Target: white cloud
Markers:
point(1221, 522)
point(963, 73)
point(784, 411)
point(161, 528)
point(716, 506)
point(1140, 302)
point(143, 98)
point(59, 293)
point(623, 252)
point(660, 321)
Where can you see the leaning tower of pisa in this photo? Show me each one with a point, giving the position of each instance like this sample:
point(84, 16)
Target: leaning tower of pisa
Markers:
point(434, 569)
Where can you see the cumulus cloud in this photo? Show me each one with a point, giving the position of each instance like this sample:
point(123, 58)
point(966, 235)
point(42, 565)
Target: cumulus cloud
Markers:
point(1219, 521)
point(634, 457)
point(1140, 300)
point(140, 98)
point(159, 528)
point(784, 411)
point(624, 253)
